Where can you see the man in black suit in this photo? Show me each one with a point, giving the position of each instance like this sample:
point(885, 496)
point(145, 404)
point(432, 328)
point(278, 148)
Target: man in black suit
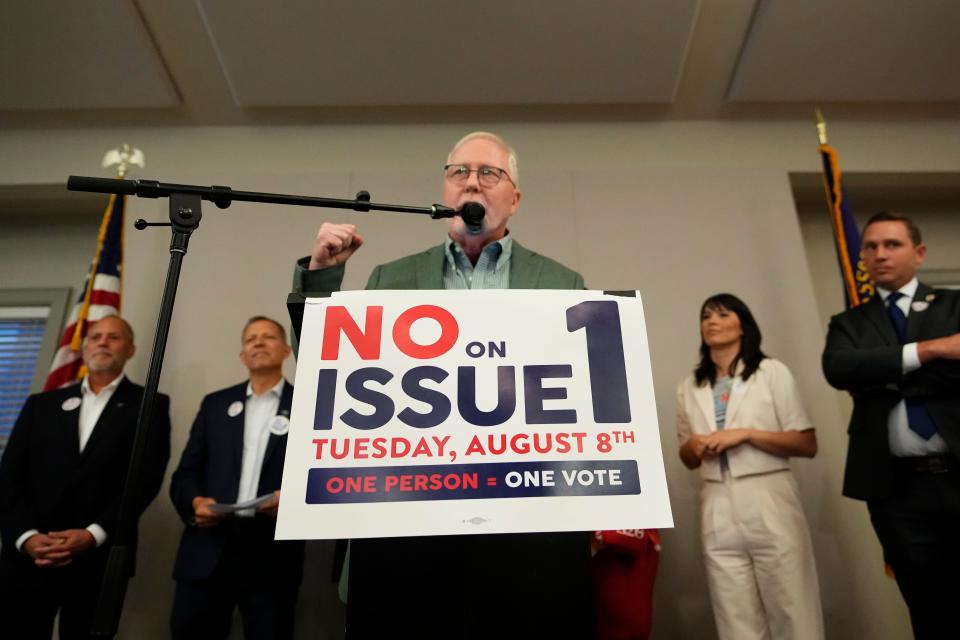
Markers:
point(898, 356)
point(61, 480)
point(235, 453)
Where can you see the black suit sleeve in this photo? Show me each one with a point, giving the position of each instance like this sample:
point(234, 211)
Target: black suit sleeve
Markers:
point(188, 480)
point(936, 378)
point(150, 475)
point(16, 511)
point(857, 369)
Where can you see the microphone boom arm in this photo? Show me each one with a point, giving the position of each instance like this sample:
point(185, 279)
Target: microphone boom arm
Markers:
point(223, 197)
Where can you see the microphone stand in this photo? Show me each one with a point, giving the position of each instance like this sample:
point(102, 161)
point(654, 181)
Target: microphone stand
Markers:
point(184, 219)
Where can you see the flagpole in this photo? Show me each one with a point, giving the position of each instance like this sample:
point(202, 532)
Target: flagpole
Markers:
point(80, 330)
point(821, 126)
point(834, 194)
point(857, 285)
point(101, 290)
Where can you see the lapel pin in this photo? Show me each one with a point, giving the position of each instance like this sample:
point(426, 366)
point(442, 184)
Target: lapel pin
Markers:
point(235, 409)
point(280, 425)
point(70, 403)
point(919, 305)
point(930, 297)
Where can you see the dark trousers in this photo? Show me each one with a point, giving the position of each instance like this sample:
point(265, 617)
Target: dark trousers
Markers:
point(919, 528)
point(471, 587)
point(29, 614)
point(203, 609)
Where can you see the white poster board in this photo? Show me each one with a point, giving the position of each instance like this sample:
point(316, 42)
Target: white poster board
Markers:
point(454, 412)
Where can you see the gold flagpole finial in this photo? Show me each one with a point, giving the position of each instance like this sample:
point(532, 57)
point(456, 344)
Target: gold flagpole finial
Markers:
point(821, 126)
point(123, 158)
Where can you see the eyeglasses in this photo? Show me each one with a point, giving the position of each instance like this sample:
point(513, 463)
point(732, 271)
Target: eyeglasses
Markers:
point(486, 176)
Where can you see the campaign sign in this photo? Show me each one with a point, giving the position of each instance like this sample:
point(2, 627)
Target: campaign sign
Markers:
point(455, 412)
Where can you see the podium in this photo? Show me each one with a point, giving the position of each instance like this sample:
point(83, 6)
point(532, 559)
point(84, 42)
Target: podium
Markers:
point(420, 413)
point(531, 410)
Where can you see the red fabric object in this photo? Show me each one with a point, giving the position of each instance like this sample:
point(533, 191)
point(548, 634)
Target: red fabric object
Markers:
point(624, 571)
point(636, 541)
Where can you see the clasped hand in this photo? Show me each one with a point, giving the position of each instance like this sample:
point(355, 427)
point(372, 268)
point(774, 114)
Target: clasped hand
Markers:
point(710, 446)
point(58, 548)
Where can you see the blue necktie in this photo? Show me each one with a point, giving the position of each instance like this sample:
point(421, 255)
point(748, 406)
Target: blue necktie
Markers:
point(896, 316)
point(917, 415)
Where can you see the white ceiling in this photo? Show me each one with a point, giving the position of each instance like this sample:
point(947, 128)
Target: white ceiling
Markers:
point(847, 50)
point(212, 62)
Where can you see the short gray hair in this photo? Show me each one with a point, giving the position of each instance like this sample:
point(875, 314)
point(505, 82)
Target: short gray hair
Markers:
point(512, 167)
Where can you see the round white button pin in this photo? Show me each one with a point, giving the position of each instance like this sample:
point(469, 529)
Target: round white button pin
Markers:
point(280, 425)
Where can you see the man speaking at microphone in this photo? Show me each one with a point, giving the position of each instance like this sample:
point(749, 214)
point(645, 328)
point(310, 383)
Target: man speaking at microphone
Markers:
point(472, 586)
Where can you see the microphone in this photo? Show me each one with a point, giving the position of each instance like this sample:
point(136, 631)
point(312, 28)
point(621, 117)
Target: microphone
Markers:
point(472, 214)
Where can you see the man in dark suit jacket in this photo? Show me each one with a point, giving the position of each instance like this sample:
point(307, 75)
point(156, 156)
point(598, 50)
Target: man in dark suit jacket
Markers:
point(61, 480)
point(486, 586)
point(898, 356)
point(235, 453)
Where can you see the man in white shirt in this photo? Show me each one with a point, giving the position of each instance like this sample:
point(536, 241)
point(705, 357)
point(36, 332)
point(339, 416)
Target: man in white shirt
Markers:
point(235, 454)
point(61, 479)
point(898, 356)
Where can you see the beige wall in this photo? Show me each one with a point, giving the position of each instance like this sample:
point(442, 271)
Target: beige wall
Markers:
point(676, 210)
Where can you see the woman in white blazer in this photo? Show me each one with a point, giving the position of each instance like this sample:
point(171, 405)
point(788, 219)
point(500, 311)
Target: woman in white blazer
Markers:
point(739, 418)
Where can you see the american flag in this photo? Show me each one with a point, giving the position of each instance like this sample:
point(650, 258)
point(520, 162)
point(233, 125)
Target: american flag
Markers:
point(99, 297)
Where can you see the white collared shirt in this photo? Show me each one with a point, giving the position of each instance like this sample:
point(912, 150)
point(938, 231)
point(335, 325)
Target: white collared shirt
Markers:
point(259, 411)
point(91, 408)
point(904, 442)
